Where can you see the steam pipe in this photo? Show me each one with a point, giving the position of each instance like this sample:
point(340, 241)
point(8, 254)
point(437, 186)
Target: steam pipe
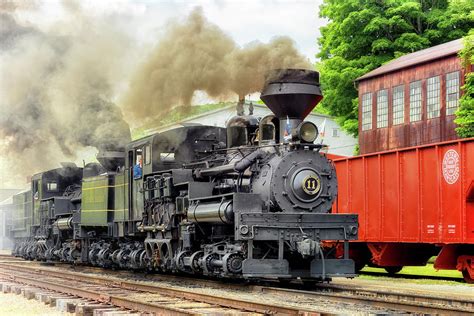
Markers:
point(239, 166)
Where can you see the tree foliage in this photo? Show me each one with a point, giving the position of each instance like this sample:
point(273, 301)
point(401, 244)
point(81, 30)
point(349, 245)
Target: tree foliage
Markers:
point(465, 113)
point(364, 34)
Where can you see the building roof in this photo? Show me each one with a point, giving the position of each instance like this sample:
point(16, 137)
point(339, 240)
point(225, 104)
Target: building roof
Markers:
point(419, 57)
point(7, 199)
point(6, 193)
point(184, 122)
point(6, 202)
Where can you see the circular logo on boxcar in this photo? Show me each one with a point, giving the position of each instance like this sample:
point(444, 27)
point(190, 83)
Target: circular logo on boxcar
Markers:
point(451, 166)
point(311, 184)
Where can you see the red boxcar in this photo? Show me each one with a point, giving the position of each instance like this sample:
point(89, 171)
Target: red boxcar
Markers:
point(413, 203)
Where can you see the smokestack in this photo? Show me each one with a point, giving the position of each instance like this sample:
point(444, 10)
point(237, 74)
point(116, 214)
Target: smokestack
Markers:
point(291, 94)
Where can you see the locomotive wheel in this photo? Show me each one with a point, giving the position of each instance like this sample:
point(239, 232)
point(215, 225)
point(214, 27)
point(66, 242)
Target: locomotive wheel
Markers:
point(179, 261)
point(233, 263)
point(195, 258)
point(123, 258)
point(93, 259)
point(208, 262)
point(143, 259)
point(393, 270)
point(467, 277)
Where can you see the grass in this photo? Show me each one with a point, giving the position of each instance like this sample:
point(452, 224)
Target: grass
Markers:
point(428, 271)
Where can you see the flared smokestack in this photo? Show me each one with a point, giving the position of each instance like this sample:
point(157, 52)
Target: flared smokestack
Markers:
point(292, 93)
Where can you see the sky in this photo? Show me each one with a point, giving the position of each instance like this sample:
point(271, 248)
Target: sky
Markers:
point(244, 20)
point(144, 22)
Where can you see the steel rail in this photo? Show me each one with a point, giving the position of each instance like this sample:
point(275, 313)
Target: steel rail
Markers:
point(10, 257)
point(381, 296)
point(410, 302)
point(100, 297)
point(222, 301)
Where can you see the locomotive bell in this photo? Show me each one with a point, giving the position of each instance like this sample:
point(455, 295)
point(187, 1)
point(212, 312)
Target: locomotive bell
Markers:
point(291, 94)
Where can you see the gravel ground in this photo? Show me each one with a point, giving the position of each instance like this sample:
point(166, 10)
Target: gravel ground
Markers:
point(310, 303)
point(15, 305)
point(319, 304)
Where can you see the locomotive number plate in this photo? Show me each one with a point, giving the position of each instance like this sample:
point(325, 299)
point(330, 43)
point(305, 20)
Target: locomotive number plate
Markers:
point(311, 185)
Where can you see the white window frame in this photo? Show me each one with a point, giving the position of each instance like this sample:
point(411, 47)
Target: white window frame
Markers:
point(433, 97)
point(416, 102)
point(367, 111)
point(382, 108)
point(452, 92)
point(398, 104)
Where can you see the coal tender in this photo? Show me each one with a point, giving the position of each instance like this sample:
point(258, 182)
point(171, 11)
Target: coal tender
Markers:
point(252, 200)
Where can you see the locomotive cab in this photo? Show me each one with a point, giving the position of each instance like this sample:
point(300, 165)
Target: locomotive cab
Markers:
point(241, 131)
point(269, 130)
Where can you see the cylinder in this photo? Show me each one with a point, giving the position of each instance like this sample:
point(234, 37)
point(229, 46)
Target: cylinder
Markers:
point(221, 212)
point(64, 223)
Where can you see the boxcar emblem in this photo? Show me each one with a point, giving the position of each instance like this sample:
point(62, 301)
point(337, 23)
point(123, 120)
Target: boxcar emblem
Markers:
point(311, 185)
point(451, 166)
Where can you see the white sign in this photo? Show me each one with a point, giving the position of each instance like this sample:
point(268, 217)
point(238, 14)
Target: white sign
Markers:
point(451, 166)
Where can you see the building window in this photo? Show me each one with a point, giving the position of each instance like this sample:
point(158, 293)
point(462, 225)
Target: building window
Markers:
point(367, 111)
point(452, 92)
point(432, 97)
point(335, 132)
point(382, 108)
point(398, 103)
point(415, 101)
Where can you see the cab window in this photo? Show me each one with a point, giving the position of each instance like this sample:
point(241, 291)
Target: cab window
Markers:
point(35, 190)
point(137, 168)
point(139, 157)
point(52, 186)
point(147, 154)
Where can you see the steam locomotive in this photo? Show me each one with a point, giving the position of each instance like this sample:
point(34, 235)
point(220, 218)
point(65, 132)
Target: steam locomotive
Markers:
point(251, 200)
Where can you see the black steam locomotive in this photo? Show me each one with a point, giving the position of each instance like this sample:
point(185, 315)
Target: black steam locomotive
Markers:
point(252, 200)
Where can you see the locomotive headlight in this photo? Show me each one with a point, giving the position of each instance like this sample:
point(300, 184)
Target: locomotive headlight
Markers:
point(307, 132)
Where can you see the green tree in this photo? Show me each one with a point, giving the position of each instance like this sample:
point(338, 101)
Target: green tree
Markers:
point(364, 34)
point(465, 113)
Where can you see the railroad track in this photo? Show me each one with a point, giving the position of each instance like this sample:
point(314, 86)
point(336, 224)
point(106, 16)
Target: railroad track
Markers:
point(384, 298)
point(418, 303)
point(136, 296)
point(10, 257)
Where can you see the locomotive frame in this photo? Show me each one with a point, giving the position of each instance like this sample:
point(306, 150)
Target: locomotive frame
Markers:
point(248, 201)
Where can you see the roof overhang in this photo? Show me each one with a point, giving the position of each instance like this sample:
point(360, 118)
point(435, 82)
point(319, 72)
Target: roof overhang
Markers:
point(420, 57)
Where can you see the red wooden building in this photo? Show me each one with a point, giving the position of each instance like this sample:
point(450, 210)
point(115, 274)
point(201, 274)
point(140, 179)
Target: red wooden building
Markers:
point(413, 184)
point(411, 100)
